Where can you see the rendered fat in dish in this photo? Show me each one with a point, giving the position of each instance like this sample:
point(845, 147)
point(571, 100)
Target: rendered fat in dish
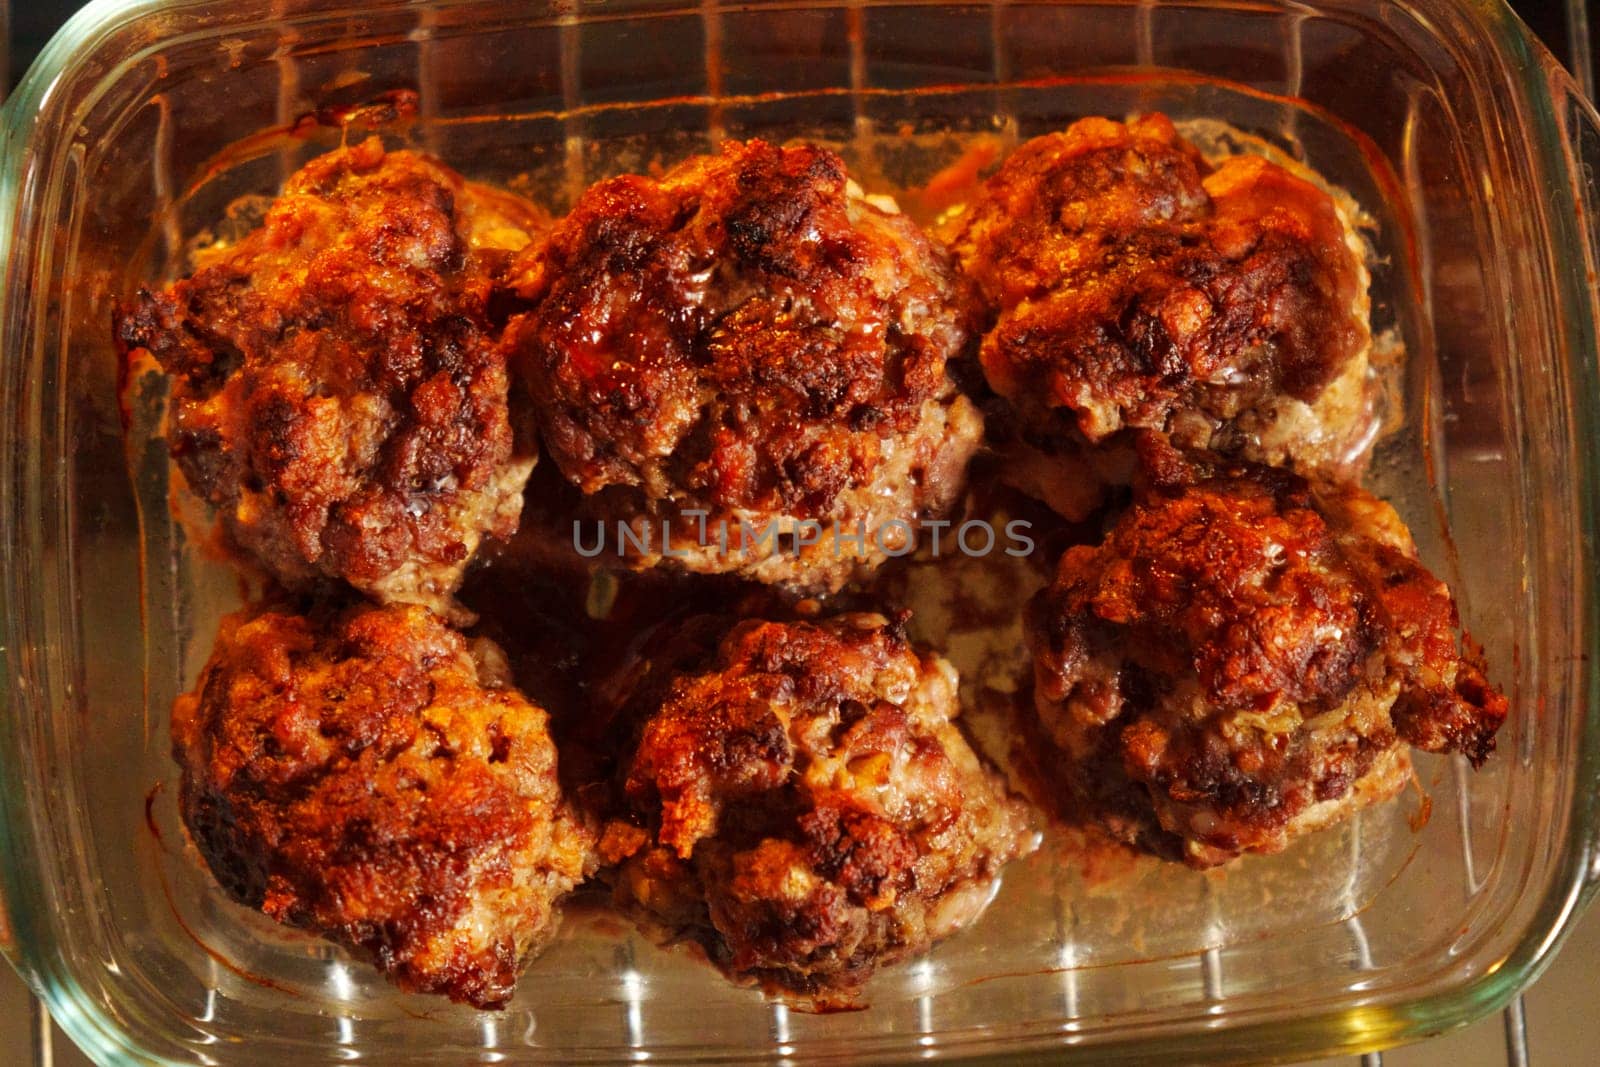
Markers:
point(339, 396)
point(1244, 658)
point(1130, 285)
point(749, 343)
point(798, 799)
point(371, 776)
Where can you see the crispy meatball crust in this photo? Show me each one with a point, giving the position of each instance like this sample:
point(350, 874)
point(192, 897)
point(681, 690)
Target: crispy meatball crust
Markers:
point(800, 801)
point(1131, 286)
point(338, 394)
point(1241, 660)
point(371, 776)
point(750, 338)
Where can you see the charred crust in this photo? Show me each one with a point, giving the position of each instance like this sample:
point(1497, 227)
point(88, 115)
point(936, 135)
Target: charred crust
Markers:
point(340, 397)
point(353, 773)
point(747, 336)
point(1130, 285)
point(798, 800)
point(1242, 646)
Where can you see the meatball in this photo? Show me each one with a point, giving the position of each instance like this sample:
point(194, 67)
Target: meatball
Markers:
point(1129, 285)
point(799, 801)
point(751, 354)
point(1245, 658)
point(338, 393)
point(371, 776)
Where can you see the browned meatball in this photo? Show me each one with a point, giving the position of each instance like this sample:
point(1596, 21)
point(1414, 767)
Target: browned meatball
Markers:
point(371, 776)
point(338, 395)
point(800, 802)
point(750, 339)
point(1132, 286)
point(1243, 659)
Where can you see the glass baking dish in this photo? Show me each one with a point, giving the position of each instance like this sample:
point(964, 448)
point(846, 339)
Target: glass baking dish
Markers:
point(143, 122)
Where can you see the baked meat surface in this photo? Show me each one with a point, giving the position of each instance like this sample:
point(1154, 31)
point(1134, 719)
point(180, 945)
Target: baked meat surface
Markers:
point(1245, 657)
point(750, 340)
point(800, 801)
point(1131, 285)
point(370, 776)
point(338, 395)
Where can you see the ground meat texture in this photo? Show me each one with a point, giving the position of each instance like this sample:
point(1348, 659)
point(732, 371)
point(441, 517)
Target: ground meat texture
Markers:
point(370, 776)
point(1245, 657)
point(799, 800)
point(338, 395)
point(1129, 285)
point(749, 340)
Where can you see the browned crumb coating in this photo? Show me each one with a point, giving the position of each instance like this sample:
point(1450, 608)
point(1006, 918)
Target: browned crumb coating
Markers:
point(1132, 286)
point(372, 777)
point(1243, 658)
point(338, 394)
point(750, 337)
point(800, 801)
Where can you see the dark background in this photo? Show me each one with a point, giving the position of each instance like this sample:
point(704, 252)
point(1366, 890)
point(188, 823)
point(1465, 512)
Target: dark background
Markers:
point(33, 21)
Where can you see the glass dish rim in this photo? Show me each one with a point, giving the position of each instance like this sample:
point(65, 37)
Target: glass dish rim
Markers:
point(1537, 83)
